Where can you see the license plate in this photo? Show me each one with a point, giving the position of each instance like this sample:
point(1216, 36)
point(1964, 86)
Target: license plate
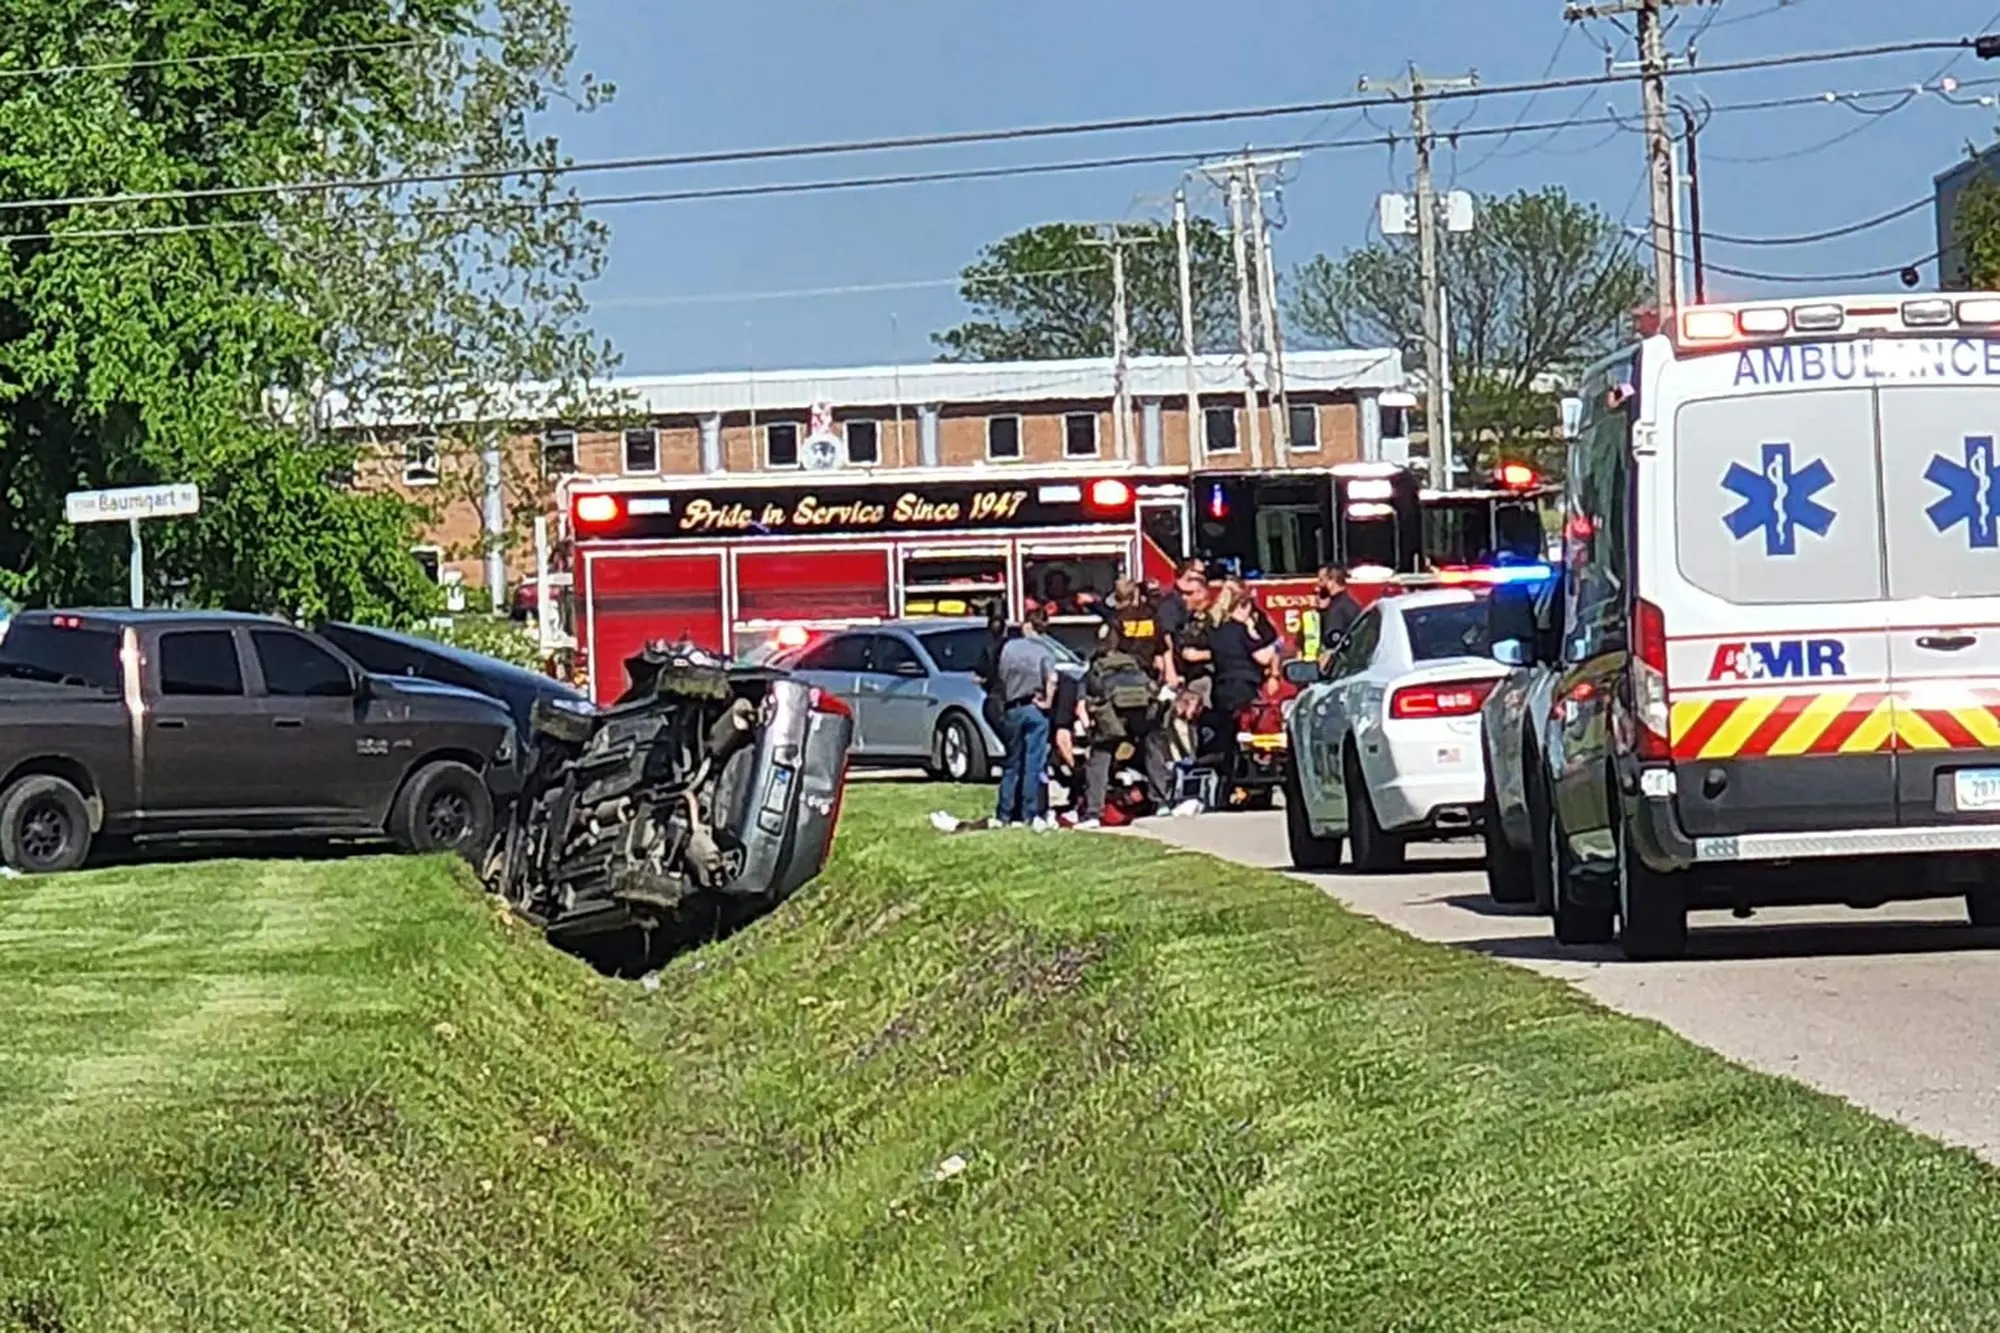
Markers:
point(1977, 788)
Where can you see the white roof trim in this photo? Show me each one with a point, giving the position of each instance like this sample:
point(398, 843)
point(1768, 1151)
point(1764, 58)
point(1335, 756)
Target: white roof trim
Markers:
point(947, 383)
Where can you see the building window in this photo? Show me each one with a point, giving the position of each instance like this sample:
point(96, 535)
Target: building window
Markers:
point(781, 444)
point(430, 559)
point(558, 453)
point(642, 449)
point(1003, 437)
point(1304, 423)
point(420, 461)
point(1395, 421)
point(1080, 435)
point(864, 442)
point(1220, 425)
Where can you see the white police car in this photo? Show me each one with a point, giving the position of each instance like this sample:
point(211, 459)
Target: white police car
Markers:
point(1781, 675)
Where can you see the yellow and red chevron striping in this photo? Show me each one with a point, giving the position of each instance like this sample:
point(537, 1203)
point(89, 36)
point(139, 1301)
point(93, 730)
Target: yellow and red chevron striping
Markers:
point(1833, 722)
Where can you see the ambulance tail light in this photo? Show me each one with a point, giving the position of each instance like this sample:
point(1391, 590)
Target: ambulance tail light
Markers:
point(1458, 698)
point(1649, 680)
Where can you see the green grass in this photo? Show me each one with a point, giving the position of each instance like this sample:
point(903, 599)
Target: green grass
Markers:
point(1187, 1096)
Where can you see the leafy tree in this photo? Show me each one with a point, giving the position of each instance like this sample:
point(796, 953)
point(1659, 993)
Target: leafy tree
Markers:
point(174, 339)
point(1046, 294)
point(1542, 285)
point(1975, 226)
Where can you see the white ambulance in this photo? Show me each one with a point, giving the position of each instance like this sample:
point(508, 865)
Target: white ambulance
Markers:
point(1780, 681)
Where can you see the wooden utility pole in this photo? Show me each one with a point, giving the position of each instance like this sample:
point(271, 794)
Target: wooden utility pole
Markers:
point(1416, 89)
point(1114, 239)
point(1653, 67)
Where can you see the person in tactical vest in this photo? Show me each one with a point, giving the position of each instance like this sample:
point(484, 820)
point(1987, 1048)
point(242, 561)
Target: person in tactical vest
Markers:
point(1122, 700)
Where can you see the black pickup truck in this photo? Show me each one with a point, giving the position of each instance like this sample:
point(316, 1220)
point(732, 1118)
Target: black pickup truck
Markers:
point(174, 726)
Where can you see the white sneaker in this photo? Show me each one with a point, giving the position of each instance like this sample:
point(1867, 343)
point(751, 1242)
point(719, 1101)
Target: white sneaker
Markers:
point(1187, 809)
point(1043, 825)
point(944, 823)
point(1088, 824)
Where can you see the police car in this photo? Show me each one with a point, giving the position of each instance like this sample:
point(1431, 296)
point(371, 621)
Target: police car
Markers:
point(1781, 676)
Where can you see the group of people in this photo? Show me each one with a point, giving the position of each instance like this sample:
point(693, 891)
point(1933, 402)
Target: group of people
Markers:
point(1169, 675)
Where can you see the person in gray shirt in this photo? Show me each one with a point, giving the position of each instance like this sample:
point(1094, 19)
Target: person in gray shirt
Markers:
point(1027, 688)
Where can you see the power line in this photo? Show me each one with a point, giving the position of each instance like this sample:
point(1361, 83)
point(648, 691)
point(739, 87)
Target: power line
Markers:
point(1811, 279)
point(1014, 134)
point(1836, 233)
point(888, 180)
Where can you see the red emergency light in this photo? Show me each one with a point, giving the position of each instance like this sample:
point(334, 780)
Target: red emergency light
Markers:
point(596, 509)
point(1109, 494)
point(1516, 477)
point(793, 636)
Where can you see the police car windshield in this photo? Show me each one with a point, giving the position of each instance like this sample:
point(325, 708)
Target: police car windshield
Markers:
point(1457, 630)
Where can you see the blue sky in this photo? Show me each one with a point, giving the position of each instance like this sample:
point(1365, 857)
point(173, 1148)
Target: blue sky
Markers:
point(691, 285)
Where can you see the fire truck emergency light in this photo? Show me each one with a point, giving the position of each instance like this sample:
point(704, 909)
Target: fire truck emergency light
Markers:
point(1109, 493)
point(1515, 476)
point(792, 636)
point(597, 509)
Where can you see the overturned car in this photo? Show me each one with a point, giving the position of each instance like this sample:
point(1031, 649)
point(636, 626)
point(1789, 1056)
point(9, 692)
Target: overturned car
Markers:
point(705, 796)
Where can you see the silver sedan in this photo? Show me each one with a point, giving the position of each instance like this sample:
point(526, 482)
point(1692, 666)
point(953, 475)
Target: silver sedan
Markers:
point(911, 687)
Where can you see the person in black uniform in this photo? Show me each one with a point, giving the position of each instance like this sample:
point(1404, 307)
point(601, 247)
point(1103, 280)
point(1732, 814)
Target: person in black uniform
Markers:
point(1337, 608)
point(987, 670)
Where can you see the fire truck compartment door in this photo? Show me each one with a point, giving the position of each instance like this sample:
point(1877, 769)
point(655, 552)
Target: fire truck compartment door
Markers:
point(634, 598)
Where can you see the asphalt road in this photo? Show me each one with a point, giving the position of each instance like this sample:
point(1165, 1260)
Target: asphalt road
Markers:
point(1896, 1010)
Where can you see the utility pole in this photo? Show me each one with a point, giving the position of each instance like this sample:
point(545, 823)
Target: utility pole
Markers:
point(1693, 131)
point(1256, 292)
point(1197, 424)
point(1417, 90)
point(1274, 355)
point(1250, 404)
point(1115, 240)
point(1653, 65)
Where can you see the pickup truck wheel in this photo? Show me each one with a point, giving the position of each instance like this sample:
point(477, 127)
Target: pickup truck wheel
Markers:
point(445, 807)
point(44, 826)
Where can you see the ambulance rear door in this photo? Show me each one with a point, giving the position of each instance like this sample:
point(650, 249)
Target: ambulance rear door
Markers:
point(1941, 488)
point(1771, 594)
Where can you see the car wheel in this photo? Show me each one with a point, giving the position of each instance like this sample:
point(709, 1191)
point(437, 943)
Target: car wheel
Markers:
point(1652, 907)
point(445, 807)
point(1575, 922)
point(1375, 849)
point(44, 826)
point(1510, 874)
point(1309, 850)
point(958, 754)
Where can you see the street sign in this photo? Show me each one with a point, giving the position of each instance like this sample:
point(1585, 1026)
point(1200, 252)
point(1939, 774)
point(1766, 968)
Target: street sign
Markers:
point(131, 502)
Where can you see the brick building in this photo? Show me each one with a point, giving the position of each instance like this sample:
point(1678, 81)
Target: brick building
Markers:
point(1342, 406)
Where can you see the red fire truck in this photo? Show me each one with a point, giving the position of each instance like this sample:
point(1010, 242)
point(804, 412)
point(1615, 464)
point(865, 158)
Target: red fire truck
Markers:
point(731, 562)
point(1275, 530)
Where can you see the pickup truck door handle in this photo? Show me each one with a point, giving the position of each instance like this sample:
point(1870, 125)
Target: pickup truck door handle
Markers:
point(172, 724)
point(289, 721)
point(1947, 643)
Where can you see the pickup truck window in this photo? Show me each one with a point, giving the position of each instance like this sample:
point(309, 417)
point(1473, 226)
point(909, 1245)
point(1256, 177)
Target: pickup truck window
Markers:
point(200, 662)
point(296, 667)
point(33, 650)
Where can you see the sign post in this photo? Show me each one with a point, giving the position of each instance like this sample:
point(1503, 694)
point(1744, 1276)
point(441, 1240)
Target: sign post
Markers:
point(132, 503)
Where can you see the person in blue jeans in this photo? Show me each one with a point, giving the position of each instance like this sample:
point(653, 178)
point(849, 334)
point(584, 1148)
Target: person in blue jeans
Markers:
point(1027, 690)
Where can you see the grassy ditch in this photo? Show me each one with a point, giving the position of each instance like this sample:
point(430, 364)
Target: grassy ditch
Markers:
point(986, 1082)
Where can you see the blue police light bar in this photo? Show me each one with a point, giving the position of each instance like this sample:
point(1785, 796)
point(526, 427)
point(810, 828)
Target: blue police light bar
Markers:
point(1535, 573)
